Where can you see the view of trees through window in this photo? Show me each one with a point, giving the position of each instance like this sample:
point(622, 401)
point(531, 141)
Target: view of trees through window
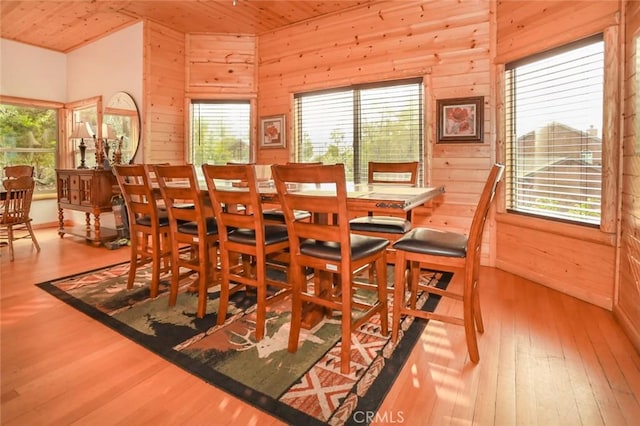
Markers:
point(359, 124)
point(220, 132)
point(29, 135)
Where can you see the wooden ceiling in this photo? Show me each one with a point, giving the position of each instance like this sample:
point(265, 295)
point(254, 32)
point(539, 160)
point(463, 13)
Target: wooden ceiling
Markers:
point(65, 25)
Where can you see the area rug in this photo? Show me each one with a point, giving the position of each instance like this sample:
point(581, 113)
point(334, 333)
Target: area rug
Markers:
point(305, 387)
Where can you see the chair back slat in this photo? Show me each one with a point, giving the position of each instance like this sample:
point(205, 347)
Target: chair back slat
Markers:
point(233, 190)
point(180, 192)
point(18, 170)
point(17, 205)
point(332, 206)
point(398, 173)
point(136, 188)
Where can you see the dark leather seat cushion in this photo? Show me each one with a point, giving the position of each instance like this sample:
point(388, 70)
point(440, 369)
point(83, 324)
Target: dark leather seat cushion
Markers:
point(276, 215)
point(433, 242)
point(272, 234)
point(387, 224)
point(361, 246)
point(192, 227)
point(163, 219)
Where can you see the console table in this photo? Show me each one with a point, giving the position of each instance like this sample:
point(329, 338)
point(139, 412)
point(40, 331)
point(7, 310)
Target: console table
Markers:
point(89, 191)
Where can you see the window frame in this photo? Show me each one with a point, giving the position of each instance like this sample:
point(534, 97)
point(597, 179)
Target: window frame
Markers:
point(356, 143)
point(610, 135)
point(190, 101)
point(60, 117)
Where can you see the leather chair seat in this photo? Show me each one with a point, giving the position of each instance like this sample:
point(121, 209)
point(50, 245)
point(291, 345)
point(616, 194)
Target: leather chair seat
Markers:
point(272, 235)
point(276, 215)
point(163, 219)
point(433, 242)
point(192, 227)
point(386, 224)
point(361, 246)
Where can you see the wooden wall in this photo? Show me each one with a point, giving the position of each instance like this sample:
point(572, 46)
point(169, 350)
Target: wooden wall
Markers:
point(627, 302)
point(445, 42)
point(576, 260)
point(163, 119)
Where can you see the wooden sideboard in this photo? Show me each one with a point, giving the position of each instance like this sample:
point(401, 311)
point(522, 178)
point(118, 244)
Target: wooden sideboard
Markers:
point(89, 191)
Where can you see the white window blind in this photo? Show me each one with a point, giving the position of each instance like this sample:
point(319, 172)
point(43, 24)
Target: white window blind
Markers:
point(220, 132)
point(554, 125)
point(358, 124)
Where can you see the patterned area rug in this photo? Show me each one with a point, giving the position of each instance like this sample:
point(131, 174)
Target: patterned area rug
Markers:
point(301, 388)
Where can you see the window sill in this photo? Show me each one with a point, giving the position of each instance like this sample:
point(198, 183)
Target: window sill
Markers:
point(583, 233)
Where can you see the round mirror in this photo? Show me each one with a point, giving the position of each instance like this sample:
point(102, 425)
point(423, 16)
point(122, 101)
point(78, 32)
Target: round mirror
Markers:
point(121, 128)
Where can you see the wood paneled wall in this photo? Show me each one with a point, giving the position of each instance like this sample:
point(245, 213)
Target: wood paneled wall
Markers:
point(445, 42)
point(163, 117)
point(627, 302)
point(576, 260)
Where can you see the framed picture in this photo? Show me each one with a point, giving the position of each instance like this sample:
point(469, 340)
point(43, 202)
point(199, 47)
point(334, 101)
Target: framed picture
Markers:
point(272, 134)
point(460, 119)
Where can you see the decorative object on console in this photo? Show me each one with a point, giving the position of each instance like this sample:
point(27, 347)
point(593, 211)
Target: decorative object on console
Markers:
point(82, 131)
point(460, 119)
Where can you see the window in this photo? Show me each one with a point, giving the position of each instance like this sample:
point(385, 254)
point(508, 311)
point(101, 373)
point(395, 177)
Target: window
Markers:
point(29, 135)
point(358, 124)
point(554, 130)
point(220, 132)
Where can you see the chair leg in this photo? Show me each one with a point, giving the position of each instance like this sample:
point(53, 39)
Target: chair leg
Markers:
point(261, 301)
point(155, 265)
point(203, 275)
point(10, 242)
point(346, 324)
point(133, 262)
point(381, 272)
point(297, 284)
point(224, 286)
point(470, 319)
point(399, 282)
point(33, 236)
point(175, 275)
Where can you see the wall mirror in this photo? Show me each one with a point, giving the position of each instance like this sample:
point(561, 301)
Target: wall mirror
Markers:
point(121, 128)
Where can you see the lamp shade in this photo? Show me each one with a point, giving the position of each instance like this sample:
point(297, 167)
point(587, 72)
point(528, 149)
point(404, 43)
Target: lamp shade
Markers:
point(108, 131)
point(82, 131)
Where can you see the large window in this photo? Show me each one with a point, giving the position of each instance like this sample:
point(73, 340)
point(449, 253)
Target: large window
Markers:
point(358, 124)
point(29, 135)
point(220, 132)
point(554, 130)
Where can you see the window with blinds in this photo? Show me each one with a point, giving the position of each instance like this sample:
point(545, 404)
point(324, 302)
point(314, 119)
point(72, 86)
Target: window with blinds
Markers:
point(358, 124)
point(554, 129)
point(220, 132)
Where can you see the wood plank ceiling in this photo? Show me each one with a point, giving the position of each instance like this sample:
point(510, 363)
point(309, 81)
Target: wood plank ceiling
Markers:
point(65, 25)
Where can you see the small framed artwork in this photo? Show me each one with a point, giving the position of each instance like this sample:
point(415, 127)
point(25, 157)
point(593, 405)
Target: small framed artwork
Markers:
point(272, 132)
point(460, 119)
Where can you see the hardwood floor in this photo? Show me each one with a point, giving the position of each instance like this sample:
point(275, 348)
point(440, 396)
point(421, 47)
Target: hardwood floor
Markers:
point(545, 359)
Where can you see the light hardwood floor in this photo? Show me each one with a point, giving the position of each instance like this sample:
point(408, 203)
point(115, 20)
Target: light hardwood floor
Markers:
point(546, 359)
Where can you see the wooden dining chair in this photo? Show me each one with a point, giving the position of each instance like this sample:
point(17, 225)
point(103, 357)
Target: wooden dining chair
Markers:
point(192, 225)
point(149, 231)
point(390, 226)
point(330, 251)
point(16, 212)
point(446, 251)
point(245, 242)
point(18, 170)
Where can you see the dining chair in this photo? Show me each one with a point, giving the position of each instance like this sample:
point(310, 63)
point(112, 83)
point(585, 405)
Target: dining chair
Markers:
point(16, 211)
point(245, 242)
point(149, 231)
point(331, 252)
point(192, 225)
point(446, 251)
point(18, 170)
point(387, 226)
